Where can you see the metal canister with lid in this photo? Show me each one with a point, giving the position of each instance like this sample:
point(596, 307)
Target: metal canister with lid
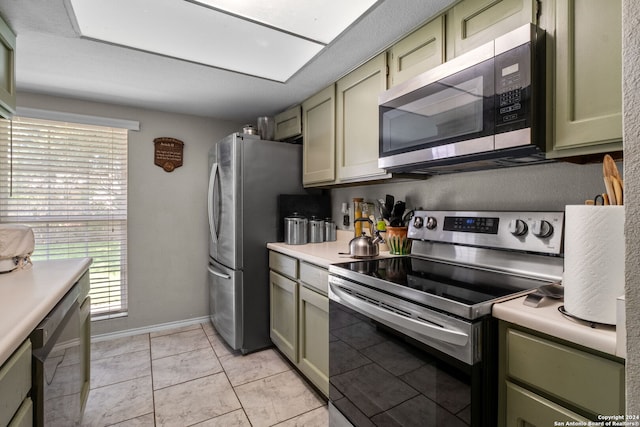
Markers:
point(295, 229)
point(316, 230)
point(329, 230)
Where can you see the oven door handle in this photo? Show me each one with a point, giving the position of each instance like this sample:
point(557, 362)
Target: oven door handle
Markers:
point(421, 328)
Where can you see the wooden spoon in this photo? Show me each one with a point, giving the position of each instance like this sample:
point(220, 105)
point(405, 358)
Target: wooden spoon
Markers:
point(609, 167)
point(608, 184)
point(612, 180)
point(617, 189)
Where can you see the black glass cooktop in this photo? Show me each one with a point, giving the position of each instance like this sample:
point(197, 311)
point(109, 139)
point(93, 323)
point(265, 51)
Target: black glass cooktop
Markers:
point(416, 276)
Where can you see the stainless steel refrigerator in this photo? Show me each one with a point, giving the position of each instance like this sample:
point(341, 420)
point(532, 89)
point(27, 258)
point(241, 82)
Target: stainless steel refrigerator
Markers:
point(246, 175)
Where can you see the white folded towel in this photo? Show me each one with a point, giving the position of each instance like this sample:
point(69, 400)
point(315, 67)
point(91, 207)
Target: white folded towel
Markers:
point(16, 243)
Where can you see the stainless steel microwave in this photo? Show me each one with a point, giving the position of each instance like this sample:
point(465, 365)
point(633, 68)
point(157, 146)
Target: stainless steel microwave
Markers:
point(483, 109)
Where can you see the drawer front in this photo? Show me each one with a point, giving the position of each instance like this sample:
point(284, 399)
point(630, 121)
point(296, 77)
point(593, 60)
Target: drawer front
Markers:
point(24, 416)
point(15, 382)
point(590, 382)
point(283, 264)
point(525, 408)
point(314, 276)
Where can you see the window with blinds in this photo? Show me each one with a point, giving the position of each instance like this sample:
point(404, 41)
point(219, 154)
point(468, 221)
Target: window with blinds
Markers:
point(69, 183)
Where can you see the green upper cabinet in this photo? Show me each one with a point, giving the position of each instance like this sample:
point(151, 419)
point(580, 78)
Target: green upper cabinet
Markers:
point(7, 71)
point(472, 23)
point(420, 51)
point(357, 121)
point(319, 138)
point(587, 77)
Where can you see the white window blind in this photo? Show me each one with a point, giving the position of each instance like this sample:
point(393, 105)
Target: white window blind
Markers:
point(68, 182)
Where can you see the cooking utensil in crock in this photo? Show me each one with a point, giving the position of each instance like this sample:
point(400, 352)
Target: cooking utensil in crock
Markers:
point(612, 180)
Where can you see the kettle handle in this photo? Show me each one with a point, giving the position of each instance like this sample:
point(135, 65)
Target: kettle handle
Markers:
point(376, 231)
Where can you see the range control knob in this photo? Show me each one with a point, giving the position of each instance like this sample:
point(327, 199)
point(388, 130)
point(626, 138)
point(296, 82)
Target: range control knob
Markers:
point(431, 223)
point(418, 222)
point(542, 228)
point(518, 227)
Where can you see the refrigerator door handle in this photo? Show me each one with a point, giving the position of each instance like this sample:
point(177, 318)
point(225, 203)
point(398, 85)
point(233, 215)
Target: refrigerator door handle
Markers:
point(218, 273)
point(213, 219)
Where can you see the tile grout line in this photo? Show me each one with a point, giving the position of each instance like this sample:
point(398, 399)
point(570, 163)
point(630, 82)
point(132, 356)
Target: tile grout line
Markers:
point(153, 392)
point(228, 379)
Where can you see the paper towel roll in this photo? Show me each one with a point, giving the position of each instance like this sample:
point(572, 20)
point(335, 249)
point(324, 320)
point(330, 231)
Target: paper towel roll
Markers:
point(593, 261)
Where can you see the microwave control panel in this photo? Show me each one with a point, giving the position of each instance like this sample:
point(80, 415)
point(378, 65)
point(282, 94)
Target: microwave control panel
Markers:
point(513, 88)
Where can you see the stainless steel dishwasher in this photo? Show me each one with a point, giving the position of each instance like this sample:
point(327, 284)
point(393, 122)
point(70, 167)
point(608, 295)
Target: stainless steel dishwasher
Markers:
point(61, 360)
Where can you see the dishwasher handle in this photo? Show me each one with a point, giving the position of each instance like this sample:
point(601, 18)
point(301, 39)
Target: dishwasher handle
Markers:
point(51, 324)
point(420, 328)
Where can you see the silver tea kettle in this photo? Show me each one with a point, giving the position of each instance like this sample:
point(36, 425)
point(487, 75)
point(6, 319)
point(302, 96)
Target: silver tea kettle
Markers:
point(364, 246)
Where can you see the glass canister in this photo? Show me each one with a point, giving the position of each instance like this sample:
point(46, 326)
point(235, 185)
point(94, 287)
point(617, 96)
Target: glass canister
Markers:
point(397, 240)
point(357, 213)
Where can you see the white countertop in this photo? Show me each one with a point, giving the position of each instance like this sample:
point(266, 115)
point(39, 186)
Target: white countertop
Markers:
point(27, 296)
point(547, 319)
point(322, 254)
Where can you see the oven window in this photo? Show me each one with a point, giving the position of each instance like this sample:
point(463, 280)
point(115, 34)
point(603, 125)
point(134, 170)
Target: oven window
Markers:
point(378, 377)
point(451, 109)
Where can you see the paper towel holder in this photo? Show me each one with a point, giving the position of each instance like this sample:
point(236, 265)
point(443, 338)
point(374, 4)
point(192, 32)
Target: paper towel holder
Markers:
point(591, 323)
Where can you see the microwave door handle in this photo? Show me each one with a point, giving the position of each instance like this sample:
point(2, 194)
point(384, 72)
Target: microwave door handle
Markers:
point(422, 328)
point(213, 179)
point(218, 273)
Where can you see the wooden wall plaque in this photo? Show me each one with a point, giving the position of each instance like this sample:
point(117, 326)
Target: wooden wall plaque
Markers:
point(168, 153)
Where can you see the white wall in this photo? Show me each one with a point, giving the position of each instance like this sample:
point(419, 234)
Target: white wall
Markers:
point(631, 129)
point(167, 229)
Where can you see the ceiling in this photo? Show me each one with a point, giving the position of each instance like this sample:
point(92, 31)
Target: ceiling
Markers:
point(53, 59)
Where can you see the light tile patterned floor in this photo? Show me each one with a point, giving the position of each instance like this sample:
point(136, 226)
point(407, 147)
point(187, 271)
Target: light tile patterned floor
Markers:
point(189, 377)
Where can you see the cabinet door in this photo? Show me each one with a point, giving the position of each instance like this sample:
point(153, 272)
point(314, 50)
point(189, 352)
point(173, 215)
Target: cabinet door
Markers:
point(420, 51)
point(15, 382)
point(357, 121)
point(314, 338)
point(284, 314)
point(288, 124)
point(588, 76)
point(472, 23)
point(7, 71)
point(593, 383)
point(319, 138)
point(527, 409)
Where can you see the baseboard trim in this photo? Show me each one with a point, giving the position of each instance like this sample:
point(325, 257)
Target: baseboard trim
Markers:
point(149, 329)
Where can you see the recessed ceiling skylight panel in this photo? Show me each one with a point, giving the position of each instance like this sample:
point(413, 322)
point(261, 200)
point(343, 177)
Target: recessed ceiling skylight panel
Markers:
point(271, 40)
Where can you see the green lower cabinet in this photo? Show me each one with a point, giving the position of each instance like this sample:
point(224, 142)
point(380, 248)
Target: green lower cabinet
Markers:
point(313, 340)
point(300, 316)
point(545, 379)
point(284, 314)
point(15, 385)
point(527, 409)
point(24, 416)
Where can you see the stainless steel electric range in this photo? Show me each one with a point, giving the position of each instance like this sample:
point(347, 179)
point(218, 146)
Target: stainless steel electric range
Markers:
point(412, 340)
